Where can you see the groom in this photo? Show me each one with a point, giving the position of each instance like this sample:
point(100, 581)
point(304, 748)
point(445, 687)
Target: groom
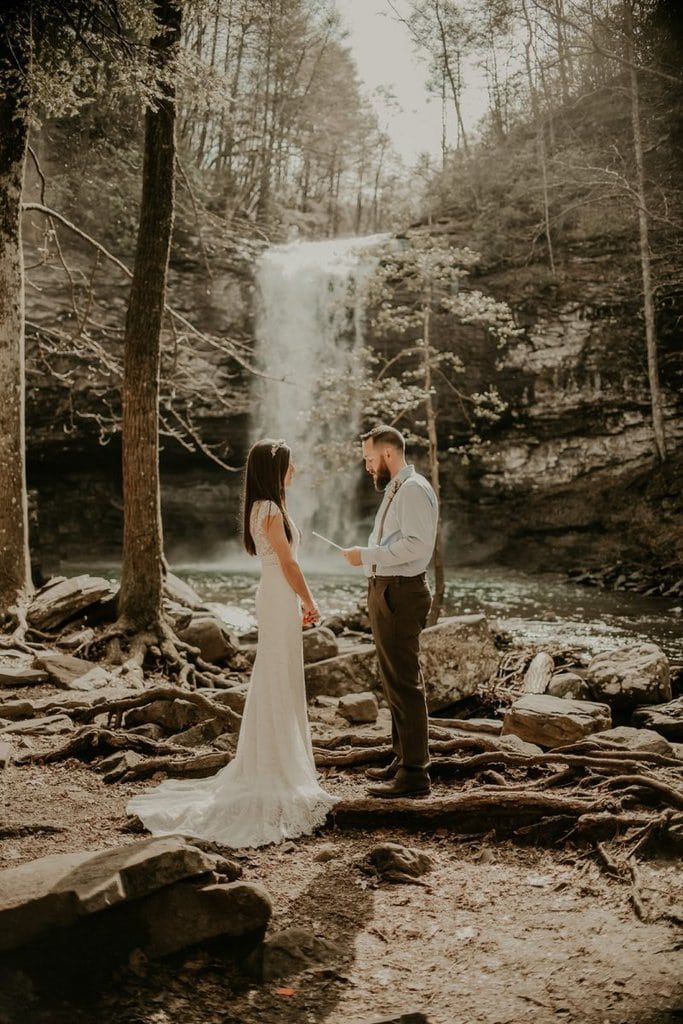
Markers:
point(395, 562)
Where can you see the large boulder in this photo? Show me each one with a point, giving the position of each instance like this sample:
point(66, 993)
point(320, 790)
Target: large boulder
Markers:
point(630, 676)
point(319, 643)
point(210, 635)
point(57, 890)
point(62, 599)
point(666, 719)
point(554, 721)
point(456, 655)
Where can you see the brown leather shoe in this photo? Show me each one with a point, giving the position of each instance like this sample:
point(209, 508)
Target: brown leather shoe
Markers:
point(408, 782)
point(385, 774)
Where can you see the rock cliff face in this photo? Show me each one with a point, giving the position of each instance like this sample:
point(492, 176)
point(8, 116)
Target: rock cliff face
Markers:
point(567, 476)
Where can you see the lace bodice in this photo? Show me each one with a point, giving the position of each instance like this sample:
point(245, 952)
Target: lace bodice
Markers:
point(260, 511)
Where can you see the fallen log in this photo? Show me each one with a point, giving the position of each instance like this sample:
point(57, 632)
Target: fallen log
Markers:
point(473, 812)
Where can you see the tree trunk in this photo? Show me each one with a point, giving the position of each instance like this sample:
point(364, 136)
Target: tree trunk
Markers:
point(644, 240)
point(142, 571)
point(439, 569)
point(15, 566)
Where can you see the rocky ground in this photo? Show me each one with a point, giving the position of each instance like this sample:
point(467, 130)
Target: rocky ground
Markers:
point(499, 933)
point(539, 881)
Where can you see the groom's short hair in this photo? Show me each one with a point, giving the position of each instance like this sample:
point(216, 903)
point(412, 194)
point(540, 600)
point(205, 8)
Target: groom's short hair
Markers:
point(384, 434)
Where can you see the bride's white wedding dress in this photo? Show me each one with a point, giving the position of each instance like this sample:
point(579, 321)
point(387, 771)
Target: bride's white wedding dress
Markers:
point(270, 790)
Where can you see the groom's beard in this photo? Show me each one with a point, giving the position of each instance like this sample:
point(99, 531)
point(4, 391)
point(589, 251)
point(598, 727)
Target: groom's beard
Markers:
point(382, 477)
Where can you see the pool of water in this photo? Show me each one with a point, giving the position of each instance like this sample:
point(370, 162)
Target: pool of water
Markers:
point(534, 608)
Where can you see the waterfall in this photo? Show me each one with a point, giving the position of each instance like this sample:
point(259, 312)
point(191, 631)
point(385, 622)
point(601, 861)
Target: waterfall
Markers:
point(309, 322)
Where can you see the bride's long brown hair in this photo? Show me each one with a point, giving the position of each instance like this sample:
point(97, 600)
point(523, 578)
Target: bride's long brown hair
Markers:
point(264, 479)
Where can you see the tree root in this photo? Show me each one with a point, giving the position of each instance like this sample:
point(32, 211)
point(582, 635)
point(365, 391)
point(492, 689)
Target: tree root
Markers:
point(668, 793)
point(198, 767)
point(470, 812)
point(91, 742)
point(114, 709)
point(126, 645)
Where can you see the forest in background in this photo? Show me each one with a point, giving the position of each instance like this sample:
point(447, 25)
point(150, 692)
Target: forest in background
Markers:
point(575, 164)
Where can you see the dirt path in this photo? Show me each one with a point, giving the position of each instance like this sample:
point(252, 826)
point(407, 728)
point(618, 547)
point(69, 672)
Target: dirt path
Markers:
point(502, 935)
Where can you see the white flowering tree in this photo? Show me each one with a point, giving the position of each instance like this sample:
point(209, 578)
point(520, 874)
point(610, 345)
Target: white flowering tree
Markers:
point(416, 284)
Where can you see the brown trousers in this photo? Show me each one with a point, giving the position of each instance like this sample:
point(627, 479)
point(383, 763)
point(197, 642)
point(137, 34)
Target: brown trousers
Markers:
point(398, 609)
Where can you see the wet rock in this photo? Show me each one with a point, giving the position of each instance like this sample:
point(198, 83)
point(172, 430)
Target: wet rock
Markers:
point(630, 676)
point(666, 719)
point(21, 675)
point(319, 643)
point(52, 725)
point(358, 707)
point(209, 634)
point(173, 715)
point(289, 952)
point(335, 623)
point(456, 656)
point(538, 674)
point(394, 862)
point(568, 684)
point(62, 599)
point(630, 738)
point(554, 721)
point(55, 891)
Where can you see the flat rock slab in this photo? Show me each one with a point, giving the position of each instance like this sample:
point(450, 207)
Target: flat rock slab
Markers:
point(666, 719)
point(21, 675)
point(554, 721)
point(57, 890)
point(62, 599)
point(70, 673)
point(630, 676)
point(456, 656)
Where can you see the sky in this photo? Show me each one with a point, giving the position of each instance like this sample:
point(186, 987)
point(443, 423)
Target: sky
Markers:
point(385, 56)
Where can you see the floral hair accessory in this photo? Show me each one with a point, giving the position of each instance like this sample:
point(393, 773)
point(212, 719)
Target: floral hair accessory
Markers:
point(276, 445)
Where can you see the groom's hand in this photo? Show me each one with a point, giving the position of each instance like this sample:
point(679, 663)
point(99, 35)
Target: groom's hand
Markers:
point(352, 556)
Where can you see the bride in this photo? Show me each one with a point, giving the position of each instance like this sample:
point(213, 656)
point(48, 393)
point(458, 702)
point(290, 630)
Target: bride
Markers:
point(270, 790)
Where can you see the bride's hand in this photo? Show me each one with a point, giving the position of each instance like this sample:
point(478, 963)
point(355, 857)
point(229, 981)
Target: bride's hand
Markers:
point(311, 613)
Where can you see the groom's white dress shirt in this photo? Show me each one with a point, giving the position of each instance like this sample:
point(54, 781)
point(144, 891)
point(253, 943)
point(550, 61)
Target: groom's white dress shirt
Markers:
point(409, 530)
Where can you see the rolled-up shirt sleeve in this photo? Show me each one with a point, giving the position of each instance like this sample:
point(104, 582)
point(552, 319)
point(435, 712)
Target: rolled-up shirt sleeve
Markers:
point(416, 517)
